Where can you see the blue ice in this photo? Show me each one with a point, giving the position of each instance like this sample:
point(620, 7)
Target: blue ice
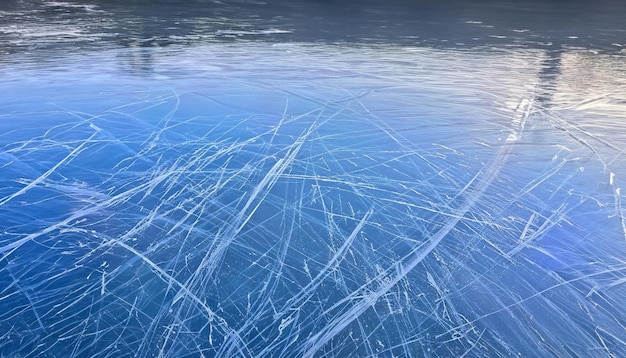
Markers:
point(295, 200)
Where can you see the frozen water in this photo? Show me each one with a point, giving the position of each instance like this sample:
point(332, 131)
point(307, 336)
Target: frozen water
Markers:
point(268, 198)
point(304, 202)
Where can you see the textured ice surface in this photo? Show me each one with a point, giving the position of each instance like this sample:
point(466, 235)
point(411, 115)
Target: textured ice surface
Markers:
point(200, 179)
point(297, 200)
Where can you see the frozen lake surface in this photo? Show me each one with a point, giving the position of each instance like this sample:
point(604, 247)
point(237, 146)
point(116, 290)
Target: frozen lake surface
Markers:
point(284, 180)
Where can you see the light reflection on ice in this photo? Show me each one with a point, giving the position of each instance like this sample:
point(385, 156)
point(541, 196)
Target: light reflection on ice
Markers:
point(295, 200)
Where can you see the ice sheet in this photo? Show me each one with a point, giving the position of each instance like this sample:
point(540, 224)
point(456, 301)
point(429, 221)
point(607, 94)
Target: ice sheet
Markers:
point(298, 200)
